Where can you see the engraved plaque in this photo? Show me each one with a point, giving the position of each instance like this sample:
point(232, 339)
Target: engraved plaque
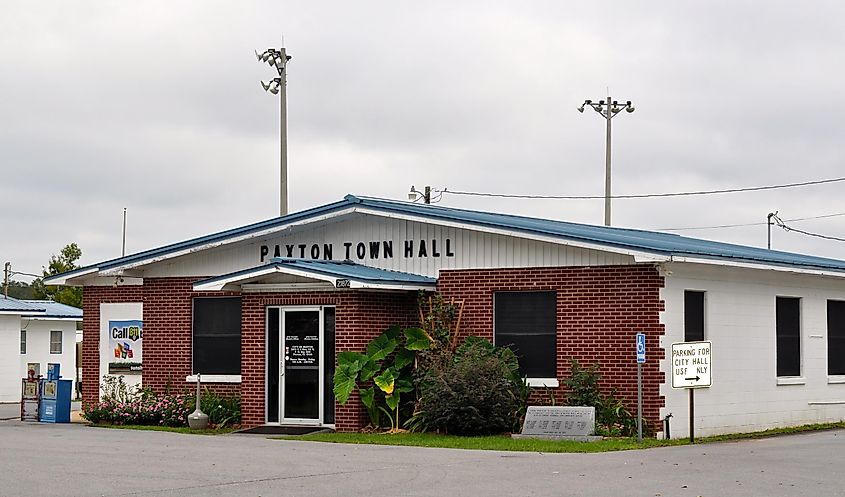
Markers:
point(554, 421)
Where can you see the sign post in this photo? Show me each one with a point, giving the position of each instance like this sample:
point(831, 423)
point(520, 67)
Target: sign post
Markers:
point(691, 370)
point(640, 361)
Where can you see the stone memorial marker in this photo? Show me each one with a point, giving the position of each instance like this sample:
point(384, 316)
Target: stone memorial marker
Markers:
point(560, 423)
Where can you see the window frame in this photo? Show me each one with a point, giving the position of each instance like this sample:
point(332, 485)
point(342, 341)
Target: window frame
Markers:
point(703, 337)
point(218, 372)
point(779, 336)
point(839, 370)
point(60, 342)
point(23, 342)
point(547, 378)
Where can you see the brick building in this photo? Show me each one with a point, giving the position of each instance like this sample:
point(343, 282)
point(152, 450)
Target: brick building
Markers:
point(262, 310)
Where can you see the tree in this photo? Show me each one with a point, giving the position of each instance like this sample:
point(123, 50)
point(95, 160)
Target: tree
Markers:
point(62, 263)
point(21, 290)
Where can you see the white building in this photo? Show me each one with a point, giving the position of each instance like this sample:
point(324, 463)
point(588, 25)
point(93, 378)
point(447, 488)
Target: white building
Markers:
point(35, 331)
point(552, 290)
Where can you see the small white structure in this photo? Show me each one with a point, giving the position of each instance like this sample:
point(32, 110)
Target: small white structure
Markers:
point(39, 331)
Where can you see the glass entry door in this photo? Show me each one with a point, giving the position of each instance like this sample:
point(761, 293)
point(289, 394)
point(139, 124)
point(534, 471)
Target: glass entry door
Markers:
point(300, 365)
point(301, 361)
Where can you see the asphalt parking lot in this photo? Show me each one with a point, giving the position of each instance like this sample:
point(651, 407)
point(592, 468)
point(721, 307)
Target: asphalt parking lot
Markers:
point(77, 460)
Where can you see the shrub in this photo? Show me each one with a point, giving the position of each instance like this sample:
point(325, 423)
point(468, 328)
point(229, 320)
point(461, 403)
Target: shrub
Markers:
point(474, 391)
point(583, 386)
point(221, 410)
point(126, 405)
point(613, 418)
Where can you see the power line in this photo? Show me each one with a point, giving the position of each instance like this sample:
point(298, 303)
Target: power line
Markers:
point(646, 195)
point(741, 225)
point(786, 227)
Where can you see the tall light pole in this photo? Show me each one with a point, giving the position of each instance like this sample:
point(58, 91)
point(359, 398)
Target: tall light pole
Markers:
point(279, 59)
point(608, 109)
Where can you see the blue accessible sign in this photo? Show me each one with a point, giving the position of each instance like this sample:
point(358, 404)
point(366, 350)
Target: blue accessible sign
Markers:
point(640, 348)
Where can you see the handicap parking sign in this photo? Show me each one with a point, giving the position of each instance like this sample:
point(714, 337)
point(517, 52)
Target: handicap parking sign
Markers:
point(640, 348)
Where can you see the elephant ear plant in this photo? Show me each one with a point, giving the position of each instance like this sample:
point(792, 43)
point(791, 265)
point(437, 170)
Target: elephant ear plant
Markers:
point(383, 373)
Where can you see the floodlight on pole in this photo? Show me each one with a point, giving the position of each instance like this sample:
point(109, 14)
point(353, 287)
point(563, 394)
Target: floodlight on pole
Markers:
point(608, 109)
point(279, 59)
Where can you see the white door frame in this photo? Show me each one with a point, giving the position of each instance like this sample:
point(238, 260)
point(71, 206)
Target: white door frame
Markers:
point(318, 421)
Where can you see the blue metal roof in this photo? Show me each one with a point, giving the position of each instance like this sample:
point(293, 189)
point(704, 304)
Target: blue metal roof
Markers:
point(333, 269)
point(353, 271)
point(654, 242)
point(9, 305)
point(38, 308)
point(56, 309)
point(651, 242)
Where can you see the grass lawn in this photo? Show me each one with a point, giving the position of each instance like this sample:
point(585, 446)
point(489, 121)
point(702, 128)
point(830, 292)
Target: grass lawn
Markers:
point(174, 429)
point(506, 443)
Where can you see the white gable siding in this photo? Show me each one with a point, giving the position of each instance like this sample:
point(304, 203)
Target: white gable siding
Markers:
point(740, 323)
point(470, 248)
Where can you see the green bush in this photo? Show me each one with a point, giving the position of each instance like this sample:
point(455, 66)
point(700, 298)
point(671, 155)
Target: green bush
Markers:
point(221, 410)
point(583, 385)
point(475, 391)
point(141, 409)
point(613, 419)
point(126, 405)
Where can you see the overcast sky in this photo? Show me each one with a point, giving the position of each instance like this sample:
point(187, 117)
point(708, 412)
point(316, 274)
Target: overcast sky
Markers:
point(156, 107)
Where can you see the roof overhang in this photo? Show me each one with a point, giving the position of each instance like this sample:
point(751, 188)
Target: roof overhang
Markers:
point(756, 265)
point(50, 318)
point(300, 274)
point(118, 268)
point(644, 247)
point(71, 278)
point(19, 312)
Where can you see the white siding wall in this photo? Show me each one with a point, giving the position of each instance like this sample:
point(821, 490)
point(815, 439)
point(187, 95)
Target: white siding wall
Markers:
point(10, 351)
point(472, 249)
point(740, 321)
point(38, 349)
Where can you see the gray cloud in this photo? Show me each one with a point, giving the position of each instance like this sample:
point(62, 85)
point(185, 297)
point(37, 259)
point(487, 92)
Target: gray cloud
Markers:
point(155, 106)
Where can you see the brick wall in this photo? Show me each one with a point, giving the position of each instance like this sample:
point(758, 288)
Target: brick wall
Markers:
point(167, 333)
point(599, 309)
point(360, 316)
point(91, 299)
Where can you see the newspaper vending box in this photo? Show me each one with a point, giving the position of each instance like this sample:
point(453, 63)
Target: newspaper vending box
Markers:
point(29, 399)
point(54, 397)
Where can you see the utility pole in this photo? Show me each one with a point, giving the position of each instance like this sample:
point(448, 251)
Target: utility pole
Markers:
point(608, 109)
point(279, 59)
point(123, 250)
point(8, 273)
point(769, 223)
point(415, 194)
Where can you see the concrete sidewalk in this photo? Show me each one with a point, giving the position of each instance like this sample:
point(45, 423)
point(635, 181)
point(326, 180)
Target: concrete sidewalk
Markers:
point(12, 411)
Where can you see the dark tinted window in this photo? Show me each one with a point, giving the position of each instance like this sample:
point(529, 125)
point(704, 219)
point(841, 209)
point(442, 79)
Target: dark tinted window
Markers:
point(788, 317)
point(217, 335)
point(526, 322)
point(693, 316)
point(835, 337)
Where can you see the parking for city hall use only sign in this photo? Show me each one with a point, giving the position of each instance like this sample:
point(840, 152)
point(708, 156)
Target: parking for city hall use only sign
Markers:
point(691, 365)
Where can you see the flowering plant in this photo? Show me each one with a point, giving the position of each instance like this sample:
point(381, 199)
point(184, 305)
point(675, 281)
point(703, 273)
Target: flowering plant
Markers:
point(128, 405)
